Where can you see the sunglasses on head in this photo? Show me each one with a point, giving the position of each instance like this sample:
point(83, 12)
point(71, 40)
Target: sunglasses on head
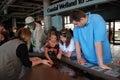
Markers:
point(63, 32)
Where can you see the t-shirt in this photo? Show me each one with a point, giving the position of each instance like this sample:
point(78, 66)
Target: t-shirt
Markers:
point(70, 47)
point(51, 49)
point(93, 31)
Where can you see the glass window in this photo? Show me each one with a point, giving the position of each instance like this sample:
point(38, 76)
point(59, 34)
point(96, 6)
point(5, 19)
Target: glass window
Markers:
point(67, 23)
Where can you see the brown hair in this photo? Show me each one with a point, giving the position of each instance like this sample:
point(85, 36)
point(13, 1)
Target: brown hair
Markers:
point(76, 15)
point(24, 34)
point(53, 33)
point(66, 33)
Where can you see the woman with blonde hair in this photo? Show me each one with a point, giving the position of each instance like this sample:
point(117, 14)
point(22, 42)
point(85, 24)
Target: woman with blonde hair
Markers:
point(14, 54)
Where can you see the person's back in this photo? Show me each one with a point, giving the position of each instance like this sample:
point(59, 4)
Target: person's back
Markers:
point(10, 65)
point(14, 54)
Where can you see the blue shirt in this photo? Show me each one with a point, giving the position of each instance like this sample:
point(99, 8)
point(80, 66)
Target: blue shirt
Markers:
point(87, 35)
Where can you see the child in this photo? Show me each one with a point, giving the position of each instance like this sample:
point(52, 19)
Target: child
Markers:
point(67, 47)
point(52, 46)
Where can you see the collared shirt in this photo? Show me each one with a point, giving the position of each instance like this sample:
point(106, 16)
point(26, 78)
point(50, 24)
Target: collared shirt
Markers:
point(93, 31)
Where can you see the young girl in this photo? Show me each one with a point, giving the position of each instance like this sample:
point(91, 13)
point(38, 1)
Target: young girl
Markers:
point(52, 46)
point(67, 47)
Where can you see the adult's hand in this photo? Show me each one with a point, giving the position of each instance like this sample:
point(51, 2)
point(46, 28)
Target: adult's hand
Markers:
point(81, 61)
point(104, 66)
point(46, 62)
point(59, 56)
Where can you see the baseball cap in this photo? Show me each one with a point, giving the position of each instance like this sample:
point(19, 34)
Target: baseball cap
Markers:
point(29, 21)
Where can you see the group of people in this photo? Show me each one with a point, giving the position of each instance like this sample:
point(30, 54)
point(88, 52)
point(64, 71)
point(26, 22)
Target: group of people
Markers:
point(14, 55)
point(88, 43)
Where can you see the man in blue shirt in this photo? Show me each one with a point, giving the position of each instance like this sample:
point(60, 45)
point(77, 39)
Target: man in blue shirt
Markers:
point(91, 38)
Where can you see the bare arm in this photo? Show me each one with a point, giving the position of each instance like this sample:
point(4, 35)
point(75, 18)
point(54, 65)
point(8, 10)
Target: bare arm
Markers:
point(99, 53)
point(79, 54)
point(47, 56)
point(59, 55)
point(36, 61)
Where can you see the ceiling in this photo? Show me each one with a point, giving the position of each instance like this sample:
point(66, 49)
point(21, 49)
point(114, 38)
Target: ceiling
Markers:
point(23, 8)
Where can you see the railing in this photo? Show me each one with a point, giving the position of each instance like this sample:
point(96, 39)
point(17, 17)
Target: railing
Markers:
point(92, 70)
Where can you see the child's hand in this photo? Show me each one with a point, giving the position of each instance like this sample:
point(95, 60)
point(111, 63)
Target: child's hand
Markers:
point(51, 62)
point(59, 56)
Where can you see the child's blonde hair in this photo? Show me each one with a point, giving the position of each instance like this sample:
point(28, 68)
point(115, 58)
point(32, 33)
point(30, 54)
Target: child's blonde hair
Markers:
point(53, 33)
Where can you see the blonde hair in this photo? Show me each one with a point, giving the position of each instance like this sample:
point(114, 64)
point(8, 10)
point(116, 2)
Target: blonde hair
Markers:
point(24, 34)
point(53, 33)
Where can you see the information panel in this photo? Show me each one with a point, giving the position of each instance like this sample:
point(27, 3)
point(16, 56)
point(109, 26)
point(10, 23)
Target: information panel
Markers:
point(71, 4)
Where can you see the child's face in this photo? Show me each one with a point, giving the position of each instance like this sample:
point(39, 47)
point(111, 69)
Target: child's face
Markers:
point(63, 39)
point(53, 38)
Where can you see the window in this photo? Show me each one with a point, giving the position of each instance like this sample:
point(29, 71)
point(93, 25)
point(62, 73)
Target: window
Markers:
point(67, 23)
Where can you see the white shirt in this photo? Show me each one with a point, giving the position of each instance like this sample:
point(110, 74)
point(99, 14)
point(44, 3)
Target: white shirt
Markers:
point(71, 46)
